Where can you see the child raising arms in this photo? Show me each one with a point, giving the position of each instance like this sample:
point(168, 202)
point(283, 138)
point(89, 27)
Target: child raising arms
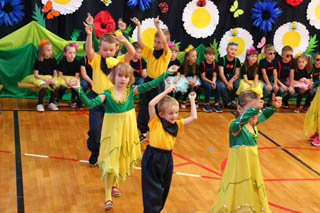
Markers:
point(242, 186)
point(102, 63)
point(45, 74)
point(119, 146)
point(157, 163)
point(158, 59)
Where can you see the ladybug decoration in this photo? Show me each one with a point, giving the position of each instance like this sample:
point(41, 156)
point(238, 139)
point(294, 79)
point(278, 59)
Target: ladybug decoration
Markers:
point(294, 3)
point(201, 3)
point(163, 7)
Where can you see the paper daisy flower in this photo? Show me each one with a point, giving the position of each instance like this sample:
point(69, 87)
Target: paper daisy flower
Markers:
point(148, 30)
point(10, 12)
point(64, 6)
point(265, 14)
point(313, 13)
point(200, 22)
point(240, 36)
point(293, 34)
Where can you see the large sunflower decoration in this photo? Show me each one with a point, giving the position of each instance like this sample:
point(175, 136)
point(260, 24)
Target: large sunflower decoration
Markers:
point(64, 6)
point(265, 14)
point(10, 12)
point(313, 13)
point(240, 36)
point(148, 31)
point(293, 34)
point(200, 20)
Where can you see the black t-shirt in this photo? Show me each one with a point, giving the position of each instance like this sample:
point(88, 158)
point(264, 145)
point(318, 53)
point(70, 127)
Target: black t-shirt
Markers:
point(229, 66)
point(46, 67)
point(298, 74)
point(316, 74)
point(249, 72)
point(84, 62)
point(209, 69)
point(138, 66)
point(69, 68)
point(175, 62)
point(268, 66)
point(284, 69)
point(189, 71)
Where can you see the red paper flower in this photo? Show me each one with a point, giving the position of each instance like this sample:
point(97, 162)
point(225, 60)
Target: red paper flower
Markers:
point(104, 23)
point(294, 3)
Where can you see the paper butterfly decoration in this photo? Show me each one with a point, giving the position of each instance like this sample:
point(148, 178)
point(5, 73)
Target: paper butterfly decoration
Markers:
point(48, 9)
point(261, 44)
point(234, 9)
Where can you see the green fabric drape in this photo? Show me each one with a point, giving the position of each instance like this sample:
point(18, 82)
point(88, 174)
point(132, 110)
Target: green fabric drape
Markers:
point(15, 64)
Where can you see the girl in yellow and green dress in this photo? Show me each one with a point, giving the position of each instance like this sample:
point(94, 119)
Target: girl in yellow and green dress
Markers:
point(242, 187)
point(312, 121)
point(119, 144)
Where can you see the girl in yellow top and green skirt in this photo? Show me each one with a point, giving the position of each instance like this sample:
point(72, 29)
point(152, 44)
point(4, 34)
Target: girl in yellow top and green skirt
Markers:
point(119, 145)
point(242, 187)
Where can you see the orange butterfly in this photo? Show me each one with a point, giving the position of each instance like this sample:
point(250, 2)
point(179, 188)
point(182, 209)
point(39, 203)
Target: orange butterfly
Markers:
point(48, 9)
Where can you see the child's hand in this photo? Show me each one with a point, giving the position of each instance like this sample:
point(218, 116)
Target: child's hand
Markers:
point(74, 83)
point(290, 89)
point(192, 96)
point(121, 38)
point(229, 86)
point(136, 21)
point(285, 89)
point(87, 28)
point(171, 88)
point(121, 24)
point(157, 22)
point(275, 88)
point(276, 101)
point(269, 87)
point(168, 81)
point(173, 68)
point(213, 84)
point(89, 19)
point(175, 81)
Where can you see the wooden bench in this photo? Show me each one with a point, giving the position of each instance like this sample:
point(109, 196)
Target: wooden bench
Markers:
point(27, 85)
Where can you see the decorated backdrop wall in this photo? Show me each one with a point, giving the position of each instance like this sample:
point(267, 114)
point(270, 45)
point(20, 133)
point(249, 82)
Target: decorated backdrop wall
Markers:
point(198, 22)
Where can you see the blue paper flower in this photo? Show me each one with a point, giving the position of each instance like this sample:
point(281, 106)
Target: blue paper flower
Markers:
point(143, 4)
point(10, 12)
point(265, 13)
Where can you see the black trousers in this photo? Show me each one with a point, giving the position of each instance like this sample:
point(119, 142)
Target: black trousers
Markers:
point(145, 98)
point(157, 168)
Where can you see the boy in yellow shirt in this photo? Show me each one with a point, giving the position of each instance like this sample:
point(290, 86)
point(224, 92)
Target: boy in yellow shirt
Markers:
point(158, 59)
point(102, 63)
point(157, 163)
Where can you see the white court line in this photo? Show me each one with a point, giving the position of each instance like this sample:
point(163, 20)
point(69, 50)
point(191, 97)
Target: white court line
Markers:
point(35, 155)
point(186, 174)
point(139, 168)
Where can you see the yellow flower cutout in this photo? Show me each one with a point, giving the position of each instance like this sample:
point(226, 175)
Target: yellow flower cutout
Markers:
point(64, 6)
point(200, 22)
point(313, 13)
point(240, 36)
point(148, 31)
point(293, 34)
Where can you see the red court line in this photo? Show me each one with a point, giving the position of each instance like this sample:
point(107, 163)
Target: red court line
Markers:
point(283, 208)
point(4, 151)
point(215, 178)
point(197, 164)
point(80, 112)
point(182, 164)
point(292, 179)
point(285, 147)
point(61, 158)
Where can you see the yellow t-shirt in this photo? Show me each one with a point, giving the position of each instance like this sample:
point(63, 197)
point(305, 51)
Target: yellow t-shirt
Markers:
point(155, 67)
point(100, 81)
point(159, 138)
